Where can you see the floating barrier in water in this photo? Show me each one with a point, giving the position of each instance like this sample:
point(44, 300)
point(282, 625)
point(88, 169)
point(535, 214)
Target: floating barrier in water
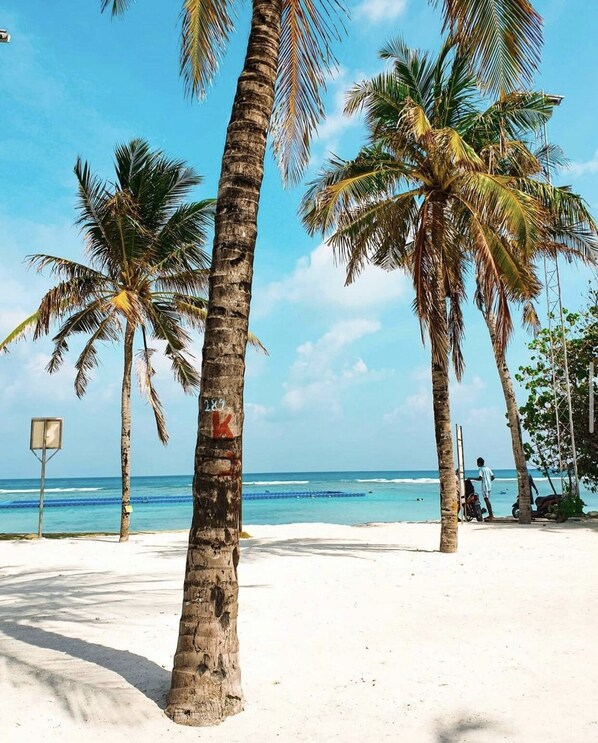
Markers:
point(167, 499)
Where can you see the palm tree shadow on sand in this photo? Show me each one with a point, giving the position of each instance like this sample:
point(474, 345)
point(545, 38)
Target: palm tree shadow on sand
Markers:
point(143, 674)
point(454, 732)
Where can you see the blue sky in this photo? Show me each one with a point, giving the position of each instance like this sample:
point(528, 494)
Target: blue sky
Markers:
point(346, 384)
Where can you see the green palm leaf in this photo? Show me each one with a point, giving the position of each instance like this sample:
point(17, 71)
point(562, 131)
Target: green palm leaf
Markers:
point(502, 37)
point(308, 28)
point(19, 332)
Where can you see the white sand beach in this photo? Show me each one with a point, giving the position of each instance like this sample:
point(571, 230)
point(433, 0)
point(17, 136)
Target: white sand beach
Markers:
point(347, 634)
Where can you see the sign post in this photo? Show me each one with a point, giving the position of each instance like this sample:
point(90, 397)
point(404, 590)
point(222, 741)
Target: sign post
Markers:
point(46, 435)
point(461, 466)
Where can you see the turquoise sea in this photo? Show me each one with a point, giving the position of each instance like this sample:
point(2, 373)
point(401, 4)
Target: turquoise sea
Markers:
point(389, 496)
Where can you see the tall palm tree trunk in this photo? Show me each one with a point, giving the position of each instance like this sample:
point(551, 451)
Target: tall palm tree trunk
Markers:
point(439, 342)
point(523, 488)
point(206, 679)
point(444, 450)
point(125, 434)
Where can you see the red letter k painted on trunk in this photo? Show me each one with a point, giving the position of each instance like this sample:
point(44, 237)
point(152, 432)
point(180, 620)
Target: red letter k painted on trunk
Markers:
point(220, 428)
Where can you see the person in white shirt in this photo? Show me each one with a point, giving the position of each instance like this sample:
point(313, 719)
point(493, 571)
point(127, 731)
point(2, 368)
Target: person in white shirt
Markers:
point(485, 476)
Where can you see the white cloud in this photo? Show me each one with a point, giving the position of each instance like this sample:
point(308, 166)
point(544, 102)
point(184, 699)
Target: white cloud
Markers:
point(376, 11)
point(330, 132)
point(588, 167)
point(318, 376)
point(34, 383)
point(316, 280)
point(485, 416)
point(418, 404)
point(336, 122)
point(256, 411)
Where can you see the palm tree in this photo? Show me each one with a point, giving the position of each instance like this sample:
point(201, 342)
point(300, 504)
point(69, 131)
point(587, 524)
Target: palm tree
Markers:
point(420, 197)
point(146, 273)
point(571, 231)
point(278, 92)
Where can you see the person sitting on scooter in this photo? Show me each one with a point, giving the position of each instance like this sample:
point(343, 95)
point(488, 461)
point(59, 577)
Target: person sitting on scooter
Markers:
point(472, 501)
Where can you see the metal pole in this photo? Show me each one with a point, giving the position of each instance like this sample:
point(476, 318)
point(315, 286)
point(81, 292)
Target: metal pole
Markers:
point(41, 491)
point(461, 466)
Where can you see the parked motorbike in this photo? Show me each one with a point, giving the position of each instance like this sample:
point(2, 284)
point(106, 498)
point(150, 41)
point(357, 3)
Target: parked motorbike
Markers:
point(543, 505)
point(473, 510)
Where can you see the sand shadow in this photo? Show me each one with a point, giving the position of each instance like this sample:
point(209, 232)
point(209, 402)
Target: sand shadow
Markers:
point(255, 548)
point(79, 698)
point(148, 677)
point(545, 525)
point(453, 732)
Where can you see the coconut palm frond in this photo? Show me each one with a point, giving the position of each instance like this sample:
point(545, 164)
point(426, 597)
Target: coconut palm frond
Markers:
point(495, 198)
point(95, 222)
point(503, 38)
point(193, 310)
point(205, 28)
point(164, 321)
point(256, 343)
point(551, 158)
point(370, 232)
point(529, 317)
point(62, 299)
point(108, 330)
point(116, 6)
point(87, 320)
point(19, 332)
point(179, 243)
point(413, 71)
point(65, 268)
point(185, 282)
point(305, 59)
point(456, 327)
point(381, 99)
point(374, 174)
point(517, 115)
point(145, 373)
point(185, 373)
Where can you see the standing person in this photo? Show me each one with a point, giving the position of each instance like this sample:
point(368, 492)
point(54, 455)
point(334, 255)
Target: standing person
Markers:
point(485, 476)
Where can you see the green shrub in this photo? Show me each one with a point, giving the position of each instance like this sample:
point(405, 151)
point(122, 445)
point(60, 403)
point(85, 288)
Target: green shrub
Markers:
point(571, 505)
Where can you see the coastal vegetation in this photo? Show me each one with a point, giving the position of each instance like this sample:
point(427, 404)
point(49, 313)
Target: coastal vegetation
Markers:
point(442, 187)
point(538, 412)
point(570, 231)
point(146, 276)
point(289, 53)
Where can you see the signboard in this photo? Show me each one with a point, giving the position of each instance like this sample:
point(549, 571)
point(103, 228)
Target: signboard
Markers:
point(46, 433)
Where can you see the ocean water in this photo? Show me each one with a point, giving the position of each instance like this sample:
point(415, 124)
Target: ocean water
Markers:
point(389, 496)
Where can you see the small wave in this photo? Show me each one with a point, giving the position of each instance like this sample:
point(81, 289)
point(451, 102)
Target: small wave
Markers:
point(514, 479)
point(277, 482)
point(54, 490)
point(411, 480)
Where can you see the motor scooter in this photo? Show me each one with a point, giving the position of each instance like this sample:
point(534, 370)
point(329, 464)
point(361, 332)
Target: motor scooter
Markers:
point(473, 510)
point(543, 505)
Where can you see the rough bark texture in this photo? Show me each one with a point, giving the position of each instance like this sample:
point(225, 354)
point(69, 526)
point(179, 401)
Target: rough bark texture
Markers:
point(125, 434)
point(523, 488)
point(442, 424)
point(206, 679)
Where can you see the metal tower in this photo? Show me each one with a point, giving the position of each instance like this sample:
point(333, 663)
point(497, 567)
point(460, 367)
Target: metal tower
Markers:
point(561, 382)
